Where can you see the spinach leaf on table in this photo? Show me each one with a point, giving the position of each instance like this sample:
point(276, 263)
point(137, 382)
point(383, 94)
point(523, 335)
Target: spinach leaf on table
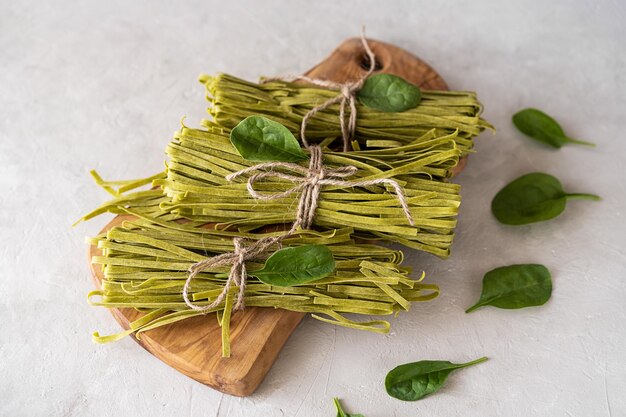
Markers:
point(515, 286)
point(414, 381)
point(532, 198)
point(543, 128)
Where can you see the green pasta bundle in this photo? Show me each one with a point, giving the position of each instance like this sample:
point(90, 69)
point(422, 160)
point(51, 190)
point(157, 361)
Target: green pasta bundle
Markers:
point(233, 99)
point(145, 262)
point(195, 188)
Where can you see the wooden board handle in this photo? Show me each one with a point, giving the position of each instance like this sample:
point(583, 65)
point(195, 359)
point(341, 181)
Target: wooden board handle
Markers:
point(349, 62)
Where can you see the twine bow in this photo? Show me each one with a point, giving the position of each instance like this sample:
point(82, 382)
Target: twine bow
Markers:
point(310, 182)
point(237, 275)
point(345, 98)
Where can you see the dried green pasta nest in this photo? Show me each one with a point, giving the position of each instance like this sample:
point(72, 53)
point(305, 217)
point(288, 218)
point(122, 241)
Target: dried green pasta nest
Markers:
point(145, 262)
point(194, 187)
point(233, 99)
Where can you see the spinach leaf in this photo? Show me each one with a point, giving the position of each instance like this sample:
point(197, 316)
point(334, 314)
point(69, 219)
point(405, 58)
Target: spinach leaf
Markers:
point(260, 139)
point(341, 413)
point(515, 286)
point(296, 265)
point(543, 128)
point(414, 381)
point(389, 93)
point(532, 198)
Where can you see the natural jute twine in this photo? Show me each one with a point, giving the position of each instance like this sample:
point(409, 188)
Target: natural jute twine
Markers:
point(345, 98)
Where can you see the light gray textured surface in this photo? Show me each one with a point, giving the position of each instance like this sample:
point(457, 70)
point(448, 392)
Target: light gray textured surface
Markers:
point(103, 84)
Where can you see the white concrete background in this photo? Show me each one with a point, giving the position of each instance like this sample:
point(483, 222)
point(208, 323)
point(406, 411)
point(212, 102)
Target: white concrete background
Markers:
point(102, 84)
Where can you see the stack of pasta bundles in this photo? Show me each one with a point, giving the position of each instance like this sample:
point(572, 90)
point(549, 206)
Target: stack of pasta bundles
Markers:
point(191, 212)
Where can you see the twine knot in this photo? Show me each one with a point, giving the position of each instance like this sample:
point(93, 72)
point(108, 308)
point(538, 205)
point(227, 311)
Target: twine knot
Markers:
point(346, 98)
point(309, 182)
point(237, 275)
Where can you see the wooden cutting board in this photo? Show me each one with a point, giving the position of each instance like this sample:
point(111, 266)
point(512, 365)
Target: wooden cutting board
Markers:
point(193, 346)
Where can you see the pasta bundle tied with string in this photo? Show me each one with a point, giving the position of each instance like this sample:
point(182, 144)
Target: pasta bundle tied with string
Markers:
point(195, 187)
point(144, 263)
point(232, 99)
